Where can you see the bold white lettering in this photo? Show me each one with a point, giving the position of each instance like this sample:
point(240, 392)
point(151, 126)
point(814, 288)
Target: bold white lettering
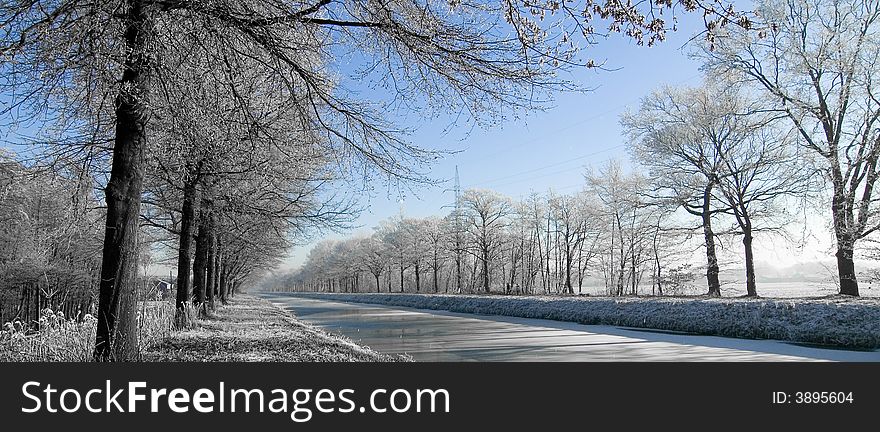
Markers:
point(134, 396)
point(154, 398)
point(201, 397)
point(176, 397)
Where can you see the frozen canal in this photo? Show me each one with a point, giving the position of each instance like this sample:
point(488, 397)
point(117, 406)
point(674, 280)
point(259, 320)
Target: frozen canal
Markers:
point(447, 336)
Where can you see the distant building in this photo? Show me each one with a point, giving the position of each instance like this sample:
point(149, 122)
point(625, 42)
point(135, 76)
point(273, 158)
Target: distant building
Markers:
point(164, 289)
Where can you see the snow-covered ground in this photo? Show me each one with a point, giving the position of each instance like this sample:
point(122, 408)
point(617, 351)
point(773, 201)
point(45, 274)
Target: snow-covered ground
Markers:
point(432, 335)
point(835, 320)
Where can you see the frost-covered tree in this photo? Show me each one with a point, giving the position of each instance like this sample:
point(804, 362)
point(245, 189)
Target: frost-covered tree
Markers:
point(486, 212)
point(437, 233)
point(815, 61)
point(628, 224)
point(681, 136)
point(576, 224)
point(374, 257)
point(763, 174)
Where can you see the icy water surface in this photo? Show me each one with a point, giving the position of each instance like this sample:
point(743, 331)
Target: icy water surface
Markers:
point(448, 336)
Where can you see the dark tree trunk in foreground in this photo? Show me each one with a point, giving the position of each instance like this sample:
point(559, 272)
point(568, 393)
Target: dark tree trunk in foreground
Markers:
point(709, 236)
point(184, 256)
point(116, 336)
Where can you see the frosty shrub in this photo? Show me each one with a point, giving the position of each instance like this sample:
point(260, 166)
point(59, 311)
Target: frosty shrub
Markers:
point(55, 338)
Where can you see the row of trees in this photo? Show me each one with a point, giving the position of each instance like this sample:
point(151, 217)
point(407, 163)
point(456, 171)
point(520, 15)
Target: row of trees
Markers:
point(816, 67)
point(228, 94)
point(543, 244)
point(788, 117)
point(616, 233)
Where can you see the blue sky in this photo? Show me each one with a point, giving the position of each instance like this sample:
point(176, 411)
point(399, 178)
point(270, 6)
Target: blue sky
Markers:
point(542, 150)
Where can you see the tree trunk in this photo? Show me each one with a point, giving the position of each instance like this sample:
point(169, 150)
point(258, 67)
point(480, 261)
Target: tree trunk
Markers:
point(486, 270)
point(211, 267)
point(512, 279)
point(436, 289)
point(657, 264)
point(568, 271)
point(709, 236)
point(418, 281)
point(458, 270)
point(846, 271)
point(224, 286)
point(116, 336)
point(751, 285)
point(632, 276)
point(184, 254)
point(547, 257)
point(200, 263)
point(841, 214)
point(378, 287)
point(217, 266)
point(221, 264)
point(401, 278)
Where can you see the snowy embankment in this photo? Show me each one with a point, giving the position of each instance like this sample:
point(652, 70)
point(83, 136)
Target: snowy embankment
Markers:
point(839, 321)
point(250, 329)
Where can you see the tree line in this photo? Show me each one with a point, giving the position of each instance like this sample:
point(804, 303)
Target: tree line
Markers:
point(49, 241)
point(786, 119)
point(610, 233)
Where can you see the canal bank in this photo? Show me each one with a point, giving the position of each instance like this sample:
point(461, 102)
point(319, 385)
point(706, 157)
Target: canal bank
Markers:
point(429, 335)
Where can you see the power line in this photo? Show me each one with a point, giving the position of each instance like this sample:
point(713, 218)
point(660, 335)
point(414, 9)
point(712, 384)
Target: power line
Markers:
point(556, 164)
point(554, 132)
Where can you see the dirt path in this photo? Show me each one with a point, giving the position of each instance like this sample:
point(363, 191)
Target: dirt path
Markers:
point(253, 330)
